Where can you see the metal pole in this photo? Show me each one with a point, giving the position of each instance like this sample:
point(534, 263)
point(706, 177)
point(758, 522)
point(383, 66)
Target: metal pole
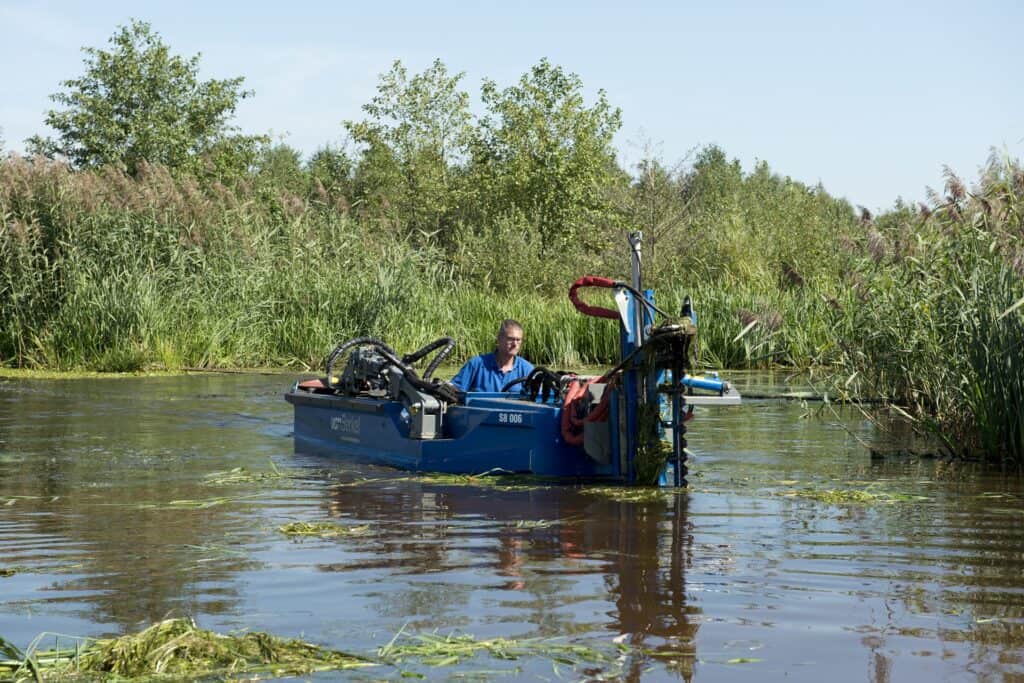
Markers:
point(635, 238)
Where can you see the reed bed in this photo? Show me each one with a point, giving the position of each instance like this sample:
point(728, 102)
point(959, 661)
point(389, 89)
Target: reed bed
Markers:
point(107, 272)
point(935, 329)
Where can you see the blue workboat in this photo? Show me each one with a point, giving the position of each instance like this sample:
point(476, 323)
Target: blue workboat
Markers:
point(627, 425)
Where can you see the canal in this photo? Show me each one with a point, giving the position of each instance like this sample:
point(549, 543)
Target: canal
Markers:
point(796, 554)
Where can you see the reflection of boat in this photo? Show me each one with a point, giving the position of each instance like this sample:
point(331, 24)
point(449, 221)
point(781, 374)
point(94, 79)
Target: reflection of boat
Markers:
point(583, 560)
point(551, 424)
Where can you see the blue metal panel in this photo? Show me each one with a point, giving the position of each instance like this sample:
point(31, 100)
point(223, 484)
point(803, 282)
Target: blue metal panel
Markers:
point(491, 432)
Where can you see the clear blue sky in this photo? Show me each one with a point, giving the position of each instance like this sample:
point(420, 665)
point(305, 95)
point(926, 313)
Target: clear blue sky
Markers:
point(869, 98)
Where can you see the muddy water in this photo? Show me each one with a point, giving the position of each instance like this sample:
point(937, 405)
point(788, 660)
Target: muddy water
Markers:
point(793, 556)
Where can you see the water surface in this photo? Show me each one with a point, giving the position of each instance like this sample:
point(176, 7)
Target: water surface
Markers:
point(117, 509)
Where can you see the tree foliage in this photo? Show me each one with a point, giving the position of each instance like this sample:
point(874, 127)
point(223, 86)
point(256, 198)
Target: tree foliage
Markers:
point(760, 226)
point(542, 153)
point(417, 128)
point(139, 102)
point(332, 167)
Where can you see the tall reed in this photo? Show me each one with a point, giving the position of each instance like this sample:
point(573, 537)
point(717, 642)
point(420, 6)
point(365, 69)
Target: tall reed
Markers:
point(108, 272)
point(930, 330)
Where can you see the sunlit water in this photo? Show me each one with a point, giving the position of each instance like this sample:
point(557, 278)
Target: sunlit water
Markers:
point(115, 513)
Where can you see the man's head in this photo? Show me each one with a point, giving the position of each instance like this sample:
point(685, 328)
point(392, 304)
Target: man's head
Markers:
point(510, 338)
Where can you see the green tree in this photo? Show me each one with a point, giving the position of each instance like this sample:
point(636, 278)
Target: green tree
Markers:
point(653, 203)
point(543, 154)
point(761, 227)
point(332, 169)
point(138, 102)
point(417, 128)
point(279, 167)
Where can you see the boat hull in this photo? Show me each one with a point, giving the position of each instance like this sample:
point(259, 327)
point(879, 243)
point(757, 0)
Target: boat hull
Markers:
point(488, 432)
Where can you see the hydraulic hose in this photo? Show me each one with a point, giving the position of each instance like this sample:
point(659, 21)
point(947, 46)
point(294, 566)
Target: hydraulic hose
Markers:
point(441, 390)
point(447, 342)
point(585, 308)
point(540, 382)
point(571, 424)
point(607, 283)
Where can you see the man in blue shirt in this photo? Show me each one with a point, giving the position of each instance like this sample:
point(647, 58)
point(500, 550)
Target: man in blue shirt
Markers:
point(492, 371)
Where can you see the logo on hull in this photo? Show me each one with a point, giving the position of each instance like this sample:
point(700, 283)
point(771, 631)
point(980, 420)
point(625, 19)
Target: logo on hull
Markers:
point(346, 424)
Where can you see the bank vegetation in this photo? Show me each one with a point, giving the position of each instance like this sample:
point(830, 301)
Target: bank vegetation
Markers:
point(132, 243)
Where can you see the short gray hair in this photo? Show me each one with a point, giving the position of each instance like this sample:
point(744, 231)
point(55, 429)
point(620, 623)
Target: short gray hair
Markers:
point(509, 323)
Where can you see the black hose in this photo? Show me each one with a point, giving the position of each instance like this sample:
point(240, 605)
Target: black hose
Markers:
point(540, 382)
point(527, 379)
point(640, 297)
point(448, 344)
point(442, 390)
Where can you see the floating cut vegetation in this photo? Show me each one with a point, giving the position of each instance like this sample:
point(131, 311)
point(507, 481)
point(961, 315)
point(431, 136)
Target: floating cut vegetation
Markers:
point(8, 501)
point(535, 523)
point(175, 649)
point(195, 503)
point(631, 494)
point(499, 480)
point(512, 482)
point(860, 496)
point(322, 529)
point(37, 569)
point(240, 475)
point(437, 650)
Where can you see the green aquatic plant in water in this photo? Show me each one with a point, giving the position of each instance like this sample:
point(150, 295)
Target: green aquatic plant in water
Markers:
point(631, 494)
point(240, 475)
point(652, 452)
point(195, 503)
point(434, 649)
point(175, 649)
point(322, 529)
point(500, 480)
point(851, 495)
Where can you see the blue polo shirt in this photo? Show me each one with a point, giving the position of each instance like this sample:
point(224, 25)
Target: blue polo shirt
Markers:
point(481, 373)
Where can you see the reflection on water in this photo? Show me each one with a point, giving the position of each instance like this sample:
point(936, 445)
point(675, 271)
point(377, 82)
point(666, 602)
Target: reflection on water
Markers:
point(112, 516)
point(562, 561)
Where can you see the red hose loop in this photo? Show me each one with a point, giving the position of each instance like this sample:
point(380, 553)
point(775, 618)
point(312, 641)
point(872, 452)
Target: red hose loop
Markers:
point(568, 408)
point(572, 426)
point(585, 308)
